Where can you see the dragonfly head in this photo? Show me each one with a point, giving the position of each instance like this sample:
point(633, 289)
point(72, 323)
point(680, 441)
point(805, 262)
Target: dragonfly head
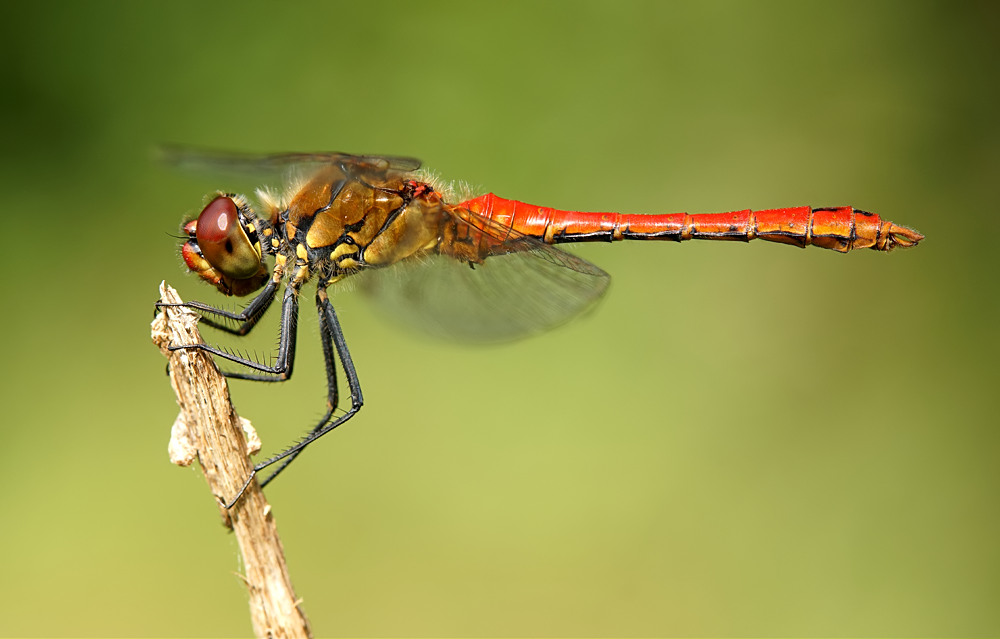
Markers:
point(223, 247)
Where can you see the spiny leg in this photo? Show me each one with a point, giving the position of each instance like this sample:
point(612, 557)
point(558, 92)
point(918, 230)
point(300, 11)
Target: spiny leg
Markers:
point(282, 369)
point(248, 317)
point(333, 391)
point(334, 348)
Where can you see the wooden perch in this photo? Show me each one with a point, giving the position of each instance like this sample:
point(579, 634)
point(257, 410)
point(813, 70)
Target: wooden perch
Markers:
point(209, 429)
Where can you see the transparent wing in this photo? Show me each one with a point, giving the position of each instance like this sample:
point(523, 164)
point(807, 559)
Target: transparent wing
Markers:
point(279, 165)
point(524, 287)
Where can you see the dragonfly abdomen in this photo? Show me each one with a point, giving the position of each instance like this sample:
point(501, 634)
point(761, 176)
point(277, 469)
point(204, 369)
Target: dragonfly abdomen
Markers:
point(841, 229)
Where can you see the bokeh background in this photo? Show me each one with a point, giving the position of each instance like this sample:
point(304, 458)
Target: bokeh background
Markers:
point(742, 440)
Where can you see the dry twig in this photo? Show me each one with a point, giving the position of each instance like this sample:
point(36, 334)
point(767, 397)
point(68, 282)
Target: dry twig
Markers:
point(209, 429)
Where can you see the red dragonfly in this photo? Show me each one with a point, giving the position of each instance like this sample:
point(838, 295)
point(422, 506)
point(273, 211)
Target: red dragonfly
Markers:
point(483, 268)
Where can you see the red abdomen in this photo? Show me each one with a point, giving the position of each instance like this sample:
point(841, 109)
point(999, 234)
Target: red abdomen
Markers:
point(841, 229)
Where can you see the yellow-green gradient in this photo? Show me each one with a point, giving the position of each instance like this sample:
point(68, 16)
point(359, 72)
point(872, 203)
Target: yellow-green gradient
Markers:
point(742, 440)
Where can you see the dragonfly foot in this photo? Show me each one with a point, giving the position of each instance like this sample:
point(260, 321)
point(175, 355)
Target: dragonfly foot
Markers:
point(246, 484)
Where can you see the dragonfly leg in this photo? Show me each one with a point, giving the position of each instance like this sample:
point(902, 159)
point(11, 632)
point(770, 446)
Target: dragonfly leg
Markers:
point(334, 348)
point(282, 368)
point(247, 318)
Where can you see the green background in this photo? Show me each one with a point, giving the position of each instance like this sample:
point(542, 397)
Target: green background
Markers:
point(741, 440)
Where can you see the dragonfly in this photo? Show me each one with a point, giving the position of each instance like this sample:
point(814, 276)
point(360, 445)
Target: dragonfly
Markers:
point(479, 268)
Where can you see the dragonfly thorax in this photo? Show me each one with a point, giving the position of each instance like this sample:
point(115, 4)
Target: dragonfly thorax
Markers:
point(336, 224)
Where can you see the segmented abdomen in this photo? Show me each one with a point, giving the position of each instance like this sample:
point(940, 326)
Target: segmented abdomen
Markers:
point(841, 229)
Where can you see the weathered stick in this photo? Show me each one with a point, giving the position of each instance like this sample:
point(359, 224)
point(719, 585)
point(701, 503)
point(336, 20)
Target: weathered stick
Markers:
point(209, 429)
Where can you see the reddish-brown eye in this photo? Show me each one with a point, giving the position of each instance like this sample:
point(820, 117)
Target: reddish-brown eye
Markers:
point(217, 220)
point(224, 242)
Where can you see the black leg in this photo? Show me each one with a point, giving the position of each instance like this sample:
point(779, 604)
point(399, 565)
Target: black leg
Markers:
point(332, 392)
point(247, 318)
point(333, 345)
point(282, 368)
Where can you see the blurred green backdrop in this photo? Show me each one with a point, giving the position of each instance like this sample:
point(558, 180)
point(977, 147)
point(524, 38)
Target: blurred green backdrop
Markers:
point(741, 440)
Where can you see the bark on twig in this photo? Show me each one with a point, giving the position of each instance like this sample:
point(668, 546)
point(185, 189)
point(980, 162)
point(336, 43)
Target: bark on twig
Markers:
point(209, 429)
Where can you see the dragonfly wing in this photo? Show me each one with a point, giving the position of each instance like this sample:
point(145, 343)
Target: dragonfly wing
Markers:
point(279, 165)
point(524, 287)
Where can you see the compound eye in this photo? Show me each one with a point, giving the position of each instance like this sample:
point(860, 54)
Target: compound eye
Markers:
point(224, 242)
